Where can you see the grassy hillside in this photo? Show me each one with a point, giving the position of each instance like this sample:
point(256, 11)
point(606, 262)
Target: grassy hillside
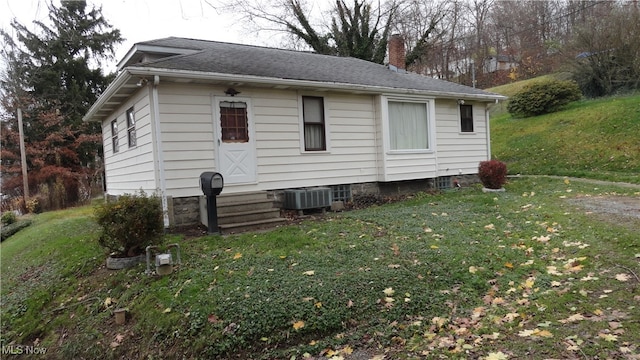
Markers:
point(460, 274)
point(597, 139)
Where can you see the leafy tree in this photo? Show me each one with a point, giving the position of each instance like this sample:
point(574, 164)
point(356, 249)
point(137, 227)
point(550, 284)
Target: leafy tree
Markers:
point(357, 30)
point(53, 74)
point(609, 49)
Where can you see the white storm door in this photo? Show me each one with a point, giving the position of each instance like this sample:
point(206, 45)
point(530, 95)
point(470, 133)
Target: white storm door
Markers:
point(236, 155)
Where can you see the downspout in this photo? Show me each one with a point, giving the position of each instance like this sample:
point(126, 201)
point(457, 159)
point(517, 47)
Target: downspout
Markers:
point(159, 157)
point(486, 118)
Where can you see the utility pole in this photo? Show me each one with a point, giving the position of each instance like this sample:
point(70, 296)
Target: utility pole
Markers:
point(23, 158)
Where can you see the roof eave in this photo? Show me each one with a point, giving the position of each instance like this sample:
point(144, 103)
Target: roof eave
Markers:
point(121, 79)
point(222, 77)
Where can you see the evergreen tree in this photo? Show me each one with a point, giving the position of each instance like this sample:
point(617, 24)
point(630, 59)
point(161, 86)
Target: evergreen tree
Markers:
point(53, 73)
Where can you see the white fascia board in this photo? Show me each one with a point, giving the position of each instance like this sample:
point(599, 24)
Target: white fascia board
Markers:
point(365, 89)
point(121, 79)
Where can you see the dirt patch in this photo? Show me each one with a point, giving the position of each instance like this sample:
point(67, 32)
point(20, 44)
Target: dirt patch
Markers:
point(622, 210)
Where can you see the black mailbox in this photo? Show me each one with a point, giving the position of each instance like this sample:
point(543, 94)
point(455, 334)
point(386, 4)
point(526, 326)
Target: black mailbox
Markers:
point(211, 183)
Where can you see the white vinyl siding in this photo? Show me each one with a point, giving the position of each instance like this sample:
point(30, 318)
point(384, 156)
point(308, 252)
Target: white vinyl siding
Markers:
point(189, 148)
point(186, 122)
point(357, 133)
point(417, 158)
point(460, 152)
point(130, 169)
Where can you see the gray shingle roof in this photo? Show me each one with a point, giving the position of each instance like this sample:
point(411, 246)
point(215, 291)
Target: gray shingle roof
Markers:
point(246, 60)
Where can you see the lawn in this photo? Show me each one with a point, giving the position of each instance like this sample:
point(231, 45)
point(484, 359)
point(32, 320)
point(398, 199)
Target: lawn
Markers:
point(530, 273)
point(596, 139)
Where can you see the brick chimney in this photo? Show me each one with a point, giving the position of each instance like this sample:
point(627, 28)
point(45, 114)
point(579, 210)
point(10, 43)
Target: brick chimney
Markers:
point(396, 52)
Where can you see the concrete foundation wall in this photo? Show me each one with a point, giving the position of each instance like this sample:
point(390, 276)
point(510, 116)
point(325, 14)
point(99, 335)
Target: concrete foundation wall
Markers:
point(184, 211)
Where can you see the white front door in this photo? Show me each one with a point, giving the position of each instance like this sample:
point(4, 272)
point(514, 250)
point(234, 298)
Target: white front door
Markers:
point(236, 155)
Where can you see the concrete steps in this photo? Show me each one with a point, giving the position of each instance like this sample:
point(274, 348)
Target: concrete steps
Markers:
point(245, 212)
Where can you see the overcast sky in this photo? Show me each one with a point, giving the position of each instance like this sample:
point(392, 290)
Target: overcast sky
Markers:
point(141, 20)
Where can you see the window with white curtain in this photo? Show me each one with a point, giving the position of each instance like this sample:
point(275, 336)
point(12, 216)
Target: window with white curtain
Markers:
point(314, 124)
point(408, 125)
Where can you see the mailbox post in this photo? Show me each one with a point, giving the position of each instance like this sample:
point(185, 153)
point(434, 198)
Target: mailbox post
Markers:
point(211, 184)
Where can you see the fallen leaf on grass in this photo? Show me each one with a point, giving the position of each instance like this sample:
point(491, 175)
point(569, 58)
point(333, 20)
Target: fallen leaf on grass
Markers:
point(572, 318)
point(298, 325)
point(535, 332)
point(237, 256)
point(608, 337)
point(473, 269)
point(623, 277)
point(496, 356)
point(389, 291)
point(396, 249)
point(309, 273)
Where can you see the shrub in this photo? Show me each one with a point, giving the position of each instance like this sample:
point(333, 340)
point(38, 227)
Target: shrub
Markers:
point(8, 218)
point(492, 174)
point(130, 224)
point(543, 97)
point(13, 228)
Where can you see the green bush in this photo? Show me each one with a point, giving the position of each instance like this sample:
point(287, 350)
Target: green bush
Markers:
point(8, 218)
point(543, 97)
point(130, 224)
point(13, 228)
point(492, 174)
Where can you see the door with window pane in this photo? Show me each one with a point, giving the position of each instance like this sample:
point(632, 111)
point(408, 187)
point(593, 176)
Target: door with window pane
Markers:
point(236, 146)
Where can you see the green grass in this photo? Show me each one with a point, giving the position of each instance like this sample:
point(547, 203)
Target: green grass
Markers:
point(458, 268)
point(598, 139)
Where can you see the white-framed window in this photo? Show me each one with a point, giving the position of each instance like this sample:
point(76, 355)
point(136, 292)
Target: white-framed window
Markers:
point(409, 125)
point(114, 136)
point(314, 126)
point(131, 127)
point(466, 118)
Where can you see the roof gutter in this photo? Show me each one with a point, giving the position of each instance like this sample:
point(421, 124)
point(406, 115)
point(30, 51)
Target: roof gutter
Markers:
point(197, 75)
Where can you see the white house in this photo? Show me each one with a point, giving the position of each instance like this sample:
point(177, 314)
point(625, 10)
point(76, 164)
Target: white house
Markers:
point(270, 119)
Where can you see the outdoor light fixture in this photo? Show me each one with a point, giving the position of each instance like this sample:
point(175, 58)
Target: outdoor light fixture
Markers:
point(460, 101)
point(231, 92)
point(142, 82)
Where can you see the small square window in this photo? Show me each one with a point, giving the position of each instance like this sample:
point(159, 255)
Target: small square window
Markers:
point(114, 135)
point(131, 128)
point(314, 123)
point(466, 118)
